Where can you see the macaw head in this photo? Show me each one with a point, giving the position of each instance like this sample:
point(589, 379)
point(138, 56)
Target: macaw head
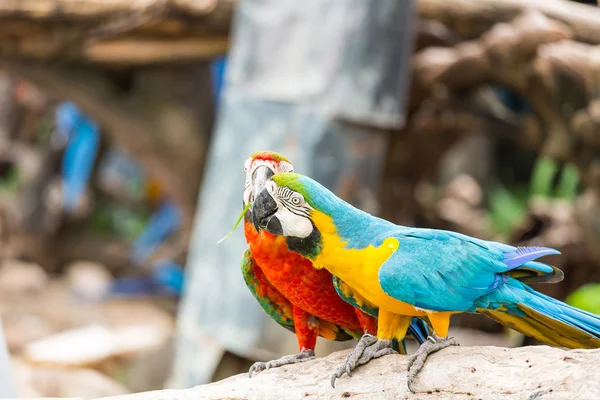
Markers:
point(299, 208)
point(259, 167)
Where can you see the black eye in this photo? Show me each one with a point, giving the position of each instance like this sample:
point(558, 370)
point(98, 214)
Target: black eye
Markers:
point(296, 200)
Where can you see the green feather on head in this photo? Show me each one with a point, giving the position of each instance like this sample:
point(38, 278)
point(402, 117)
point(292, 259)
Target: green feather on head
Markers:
point(294, 182)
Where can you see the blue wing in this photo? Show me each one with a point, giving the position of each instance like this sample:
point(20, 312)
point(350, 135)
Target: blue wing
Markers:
point(446, 271)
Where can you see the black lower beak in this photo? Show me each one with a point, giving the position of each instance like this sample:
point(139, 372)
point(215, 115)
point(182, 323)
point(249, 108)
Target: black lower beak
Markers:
point(263, 214)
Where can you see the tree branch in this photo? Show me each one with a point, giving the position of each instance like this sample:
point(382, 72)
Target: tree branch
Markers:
point(471, 19)
point(114, 32)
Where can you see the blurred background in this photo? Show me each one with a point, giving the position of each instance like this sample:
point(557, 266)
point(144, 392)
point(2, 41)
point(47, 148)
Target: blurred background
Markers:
point(124, 127)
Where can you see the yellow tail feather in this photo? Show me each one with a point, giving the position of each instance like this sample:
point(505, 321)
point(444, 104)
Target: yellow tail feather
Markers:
point(544, 328)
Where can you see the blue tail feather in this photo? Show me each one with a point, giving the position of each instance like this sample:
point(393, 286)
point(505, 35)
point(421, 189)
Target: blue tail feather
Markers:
point(523, 255)
point(579, 318)
point(520, 264)
point(542, 316)
point(418, 329)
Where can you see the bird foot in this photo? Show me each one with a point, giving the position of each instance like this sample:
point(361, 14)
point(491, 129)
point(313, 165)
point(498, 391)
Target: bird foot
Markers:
point(367, 349)
point(417, 361)
point(304, 355)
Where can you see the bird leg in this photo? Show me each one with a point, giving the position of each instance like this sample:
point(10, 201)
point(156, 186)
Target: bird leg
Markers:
point(368, 348)
point(304, 355)
point(306, 327)
point(417, 361)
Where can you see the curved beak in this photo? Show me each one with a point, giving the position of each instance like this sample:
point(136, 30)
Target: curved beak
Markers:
point(263, 214)
point(259, 178)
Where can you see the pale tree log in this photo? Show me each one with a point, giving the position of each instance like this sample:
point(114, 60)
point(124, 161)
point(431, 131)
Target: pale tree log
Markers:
point(458, 373)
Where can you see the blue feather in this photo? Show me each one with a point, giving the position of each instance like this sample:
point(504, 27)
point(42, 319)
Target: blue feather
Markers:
point(516, 296)
point(419, 330)
point(526, 254)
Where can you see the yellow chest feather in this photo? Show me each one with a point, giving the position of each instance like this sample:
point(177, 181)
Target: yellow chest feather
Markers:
point(359, 268)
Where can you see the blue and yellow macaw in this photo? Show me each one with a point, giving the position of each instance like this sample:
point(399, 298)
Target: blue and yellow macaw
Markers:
point(411, 272)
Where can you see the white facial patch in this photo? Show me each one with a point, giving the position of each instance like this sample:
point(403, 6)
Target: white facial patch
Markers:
point(292, 211)
point(294, 225)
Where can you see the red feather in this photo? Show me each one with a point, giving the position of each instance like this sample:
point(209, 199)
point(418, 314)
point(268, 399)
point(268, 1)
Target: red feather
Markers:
point(310, 291)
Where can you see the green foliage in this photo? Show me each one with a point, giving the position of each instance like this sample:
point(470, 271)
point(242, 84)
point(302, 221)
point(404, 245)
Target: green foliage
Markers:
point(44, 132)
point(507, 208)
point(11, 181)
point(587, 298)
point(236, 222)
point(568, 184)
point(112, 219)
point(544, 175)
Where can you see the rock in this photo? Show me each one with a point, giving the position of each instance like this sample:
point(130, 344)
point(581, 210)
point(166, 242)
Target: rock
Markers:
point(29, 316)
point(21, 278)
point(131, 339)
point(94, 345)
point(536, 372)
point(88, 280)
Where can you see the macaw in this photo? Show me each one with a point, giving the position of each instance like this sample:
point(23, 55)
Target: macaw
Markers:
point(410, 272)
point(299, 297)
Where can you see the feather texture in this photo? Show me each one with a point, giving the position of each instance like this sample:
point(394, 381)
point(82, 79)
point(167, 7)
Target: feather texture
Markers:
point(526, 254)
